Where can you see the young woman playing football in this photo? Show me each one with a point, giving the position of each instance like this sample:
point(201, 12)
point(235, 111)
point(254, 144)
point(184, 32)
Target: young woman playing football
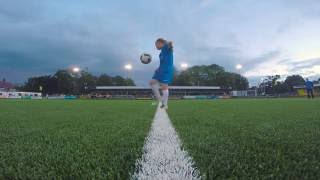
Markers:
point(164, 74)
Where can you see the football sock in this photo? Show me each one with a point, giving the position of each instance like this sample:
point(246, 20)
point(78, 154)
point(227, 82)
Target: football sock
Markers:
point(156, 92)
point(165, 96)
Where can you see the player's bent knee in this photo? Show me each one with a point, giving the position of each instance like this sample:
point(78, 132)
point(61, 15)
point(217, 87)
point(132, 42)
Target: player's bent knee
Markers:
point(164, 87)
point(152, 82)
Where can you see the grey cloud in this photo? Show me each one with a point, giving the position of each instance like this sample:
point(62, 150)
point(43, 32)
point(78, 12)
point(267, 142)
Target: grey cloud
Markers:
point(47, 46)
point(21, 11)
point(42, 36)
point(229, 57)
point(296, 66)
point(251, 64)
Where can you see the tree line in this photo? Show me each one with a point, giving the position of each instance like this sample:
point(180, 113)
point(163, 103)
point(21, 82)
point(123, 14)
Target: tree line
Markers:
point(215, 75)
point(68, 82)
point(210, 75)
point(274, 84)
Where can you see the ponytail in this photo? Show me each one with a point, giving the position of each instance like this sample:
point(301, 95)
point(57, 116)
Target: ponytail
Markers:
point(170, 44)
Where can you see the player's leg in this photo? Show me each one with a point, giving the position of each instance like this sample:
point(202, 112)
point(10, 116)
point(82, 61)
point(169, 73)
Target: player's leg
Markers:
point(155, 86)
point(165, 95)
point(308, 92)
point(312, 95)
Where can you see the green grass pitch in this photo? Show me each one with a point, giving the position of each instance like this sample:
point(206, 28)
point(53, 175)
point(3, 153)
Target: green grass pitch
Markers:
point(248, 139)
point(71, 139)
point(251, 139)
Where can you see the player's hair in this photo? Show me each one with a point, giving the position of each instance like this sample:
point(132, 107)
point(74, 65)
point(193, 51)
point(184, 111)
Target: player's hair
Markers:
point(170, 43)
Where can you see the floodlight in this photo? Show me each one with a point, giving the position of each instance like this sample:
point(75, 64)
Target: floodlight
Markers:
point(128, 67)
point(238, 66)
point(184, 66)
point(75, 69)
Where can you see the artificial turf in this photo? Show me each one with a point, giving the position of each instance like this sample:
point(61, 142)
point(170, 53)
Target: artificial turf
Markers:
point(71, 139)
point(251, 139)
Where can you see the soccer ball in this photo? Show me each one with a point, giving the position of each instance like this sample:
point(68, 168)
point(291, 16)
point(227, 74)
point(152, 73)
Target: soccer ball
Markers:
point(145, 58)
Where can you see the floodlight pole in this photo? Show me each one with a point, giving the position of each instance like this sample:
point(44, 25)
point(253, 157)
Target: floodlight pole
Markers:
point(128, 68)
point(239, 67)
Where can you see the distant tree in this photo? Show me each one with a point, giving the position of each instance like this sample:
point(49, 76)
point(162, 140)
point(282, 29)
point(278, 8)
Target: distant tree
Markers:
point(104, 80)
point(273, 85)
point(212, 75)
point(280, 88)
point(268, 84)
point(48, 84)
point(182, 79)
point(86, 82)
point(293, 80)
point(241, 82)
point(67, 82)
point(130, 82)
point(119, 81)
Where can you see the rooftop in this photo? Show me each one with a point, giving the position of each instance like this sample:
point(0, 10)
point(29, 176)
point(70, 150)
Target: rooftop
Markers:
point(6, 85)
point(302, 86)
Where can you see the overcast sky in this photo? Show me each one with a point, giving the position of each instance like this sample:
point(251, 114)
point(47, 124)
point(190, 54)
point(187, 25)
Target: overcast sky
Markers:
point(37, 37)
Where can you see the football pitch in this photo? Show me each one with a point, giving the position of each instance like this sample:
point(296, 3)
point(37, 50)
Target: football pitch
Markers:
point(72, 139)
point(249, 139)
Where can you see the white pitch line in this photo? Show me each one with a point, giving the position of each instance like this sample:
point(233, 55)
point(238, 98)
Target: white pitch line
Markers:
point(163, 157)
